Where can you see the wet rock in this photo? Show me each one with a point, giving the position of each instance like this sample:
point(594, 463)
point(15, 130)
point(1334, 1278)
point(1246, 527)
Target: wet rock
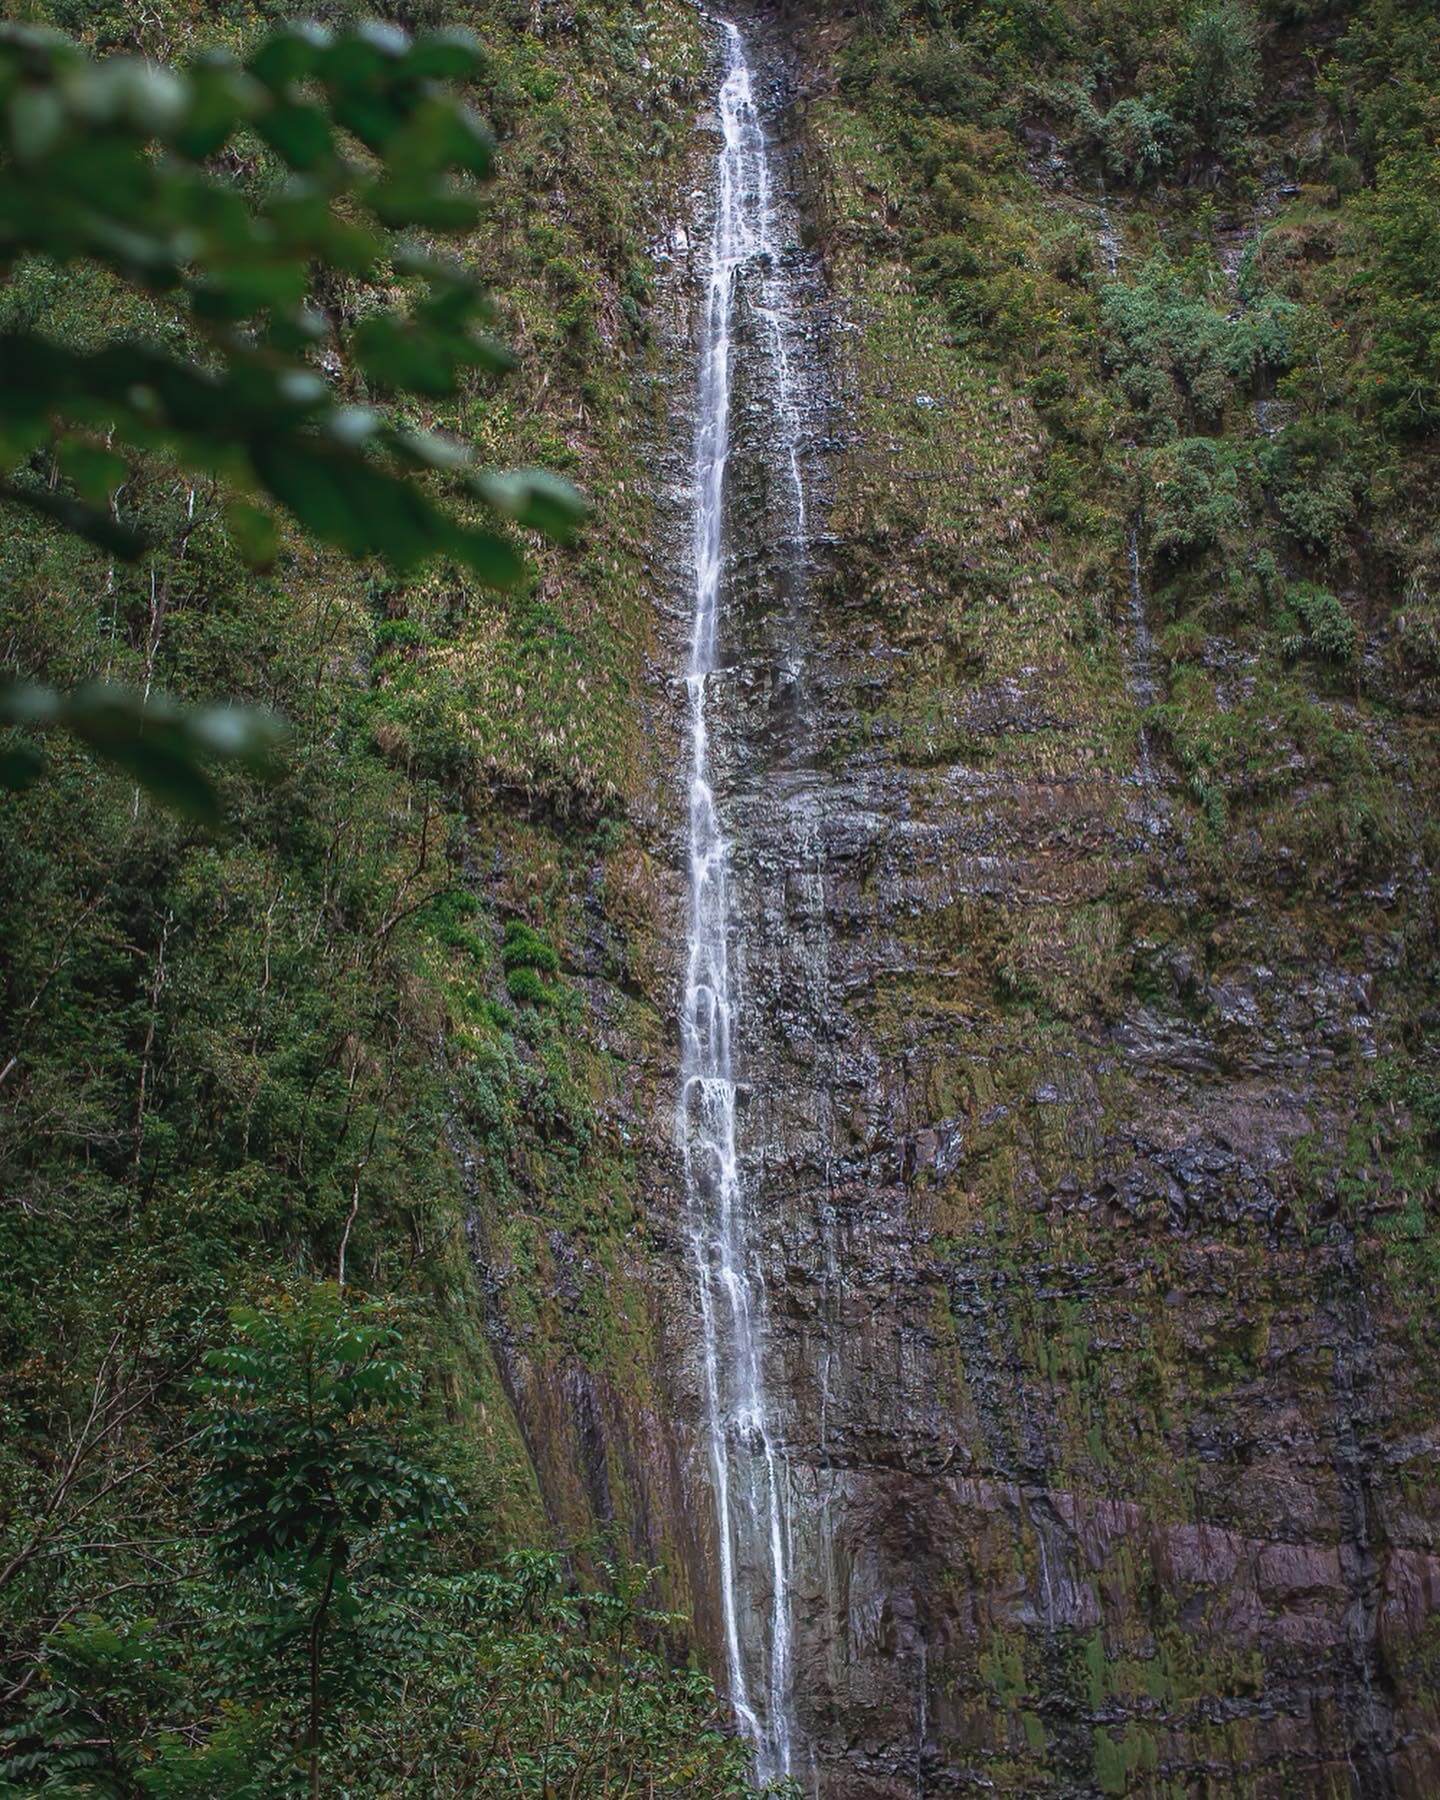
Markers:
point(1098, 1404)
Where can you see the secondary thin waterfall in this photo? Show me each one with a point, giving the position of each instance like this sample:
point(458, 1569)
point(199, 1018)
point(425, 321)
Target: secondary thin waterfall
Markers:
point(747, 1463)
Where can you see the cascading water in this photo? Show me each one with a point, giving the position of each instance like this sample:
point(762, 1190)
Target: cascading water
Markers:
point(747, 1463)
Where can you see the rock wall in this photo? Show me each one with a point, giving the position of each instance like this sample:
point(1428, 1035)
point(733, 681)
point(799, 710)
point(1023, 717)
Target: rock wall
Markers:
point(1101, 1341)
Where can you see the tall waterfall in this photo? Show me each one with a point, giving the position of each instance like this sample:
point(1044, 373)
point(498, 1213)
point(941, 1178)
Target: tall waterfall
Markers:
point(747, 1463)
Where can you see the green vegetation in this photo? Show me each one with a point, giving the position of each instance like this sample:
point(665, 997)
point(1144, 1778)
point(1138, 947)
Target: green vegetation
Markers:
point(330, 1628)
point(1262, 403)
point(267, 1522)
point(1324, 628)
point(352, 139)
point(325, 1232)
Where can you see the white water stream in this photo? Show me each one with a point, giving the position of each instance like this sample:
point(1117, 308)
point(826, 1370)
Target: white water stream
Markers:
point(748, 1470)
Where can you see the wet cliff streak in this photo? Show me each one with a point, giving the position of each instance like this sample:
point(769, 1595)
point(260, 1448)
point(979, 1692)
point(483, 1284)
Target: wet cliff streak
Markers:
point(723, 1195)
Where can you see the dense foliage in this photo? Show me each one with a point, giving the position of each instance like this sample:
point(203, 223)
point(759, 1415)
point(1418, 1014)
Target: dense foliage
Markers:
point(326, 1624)
point(262, 1509)
point(1258, 403)
point(246, 284)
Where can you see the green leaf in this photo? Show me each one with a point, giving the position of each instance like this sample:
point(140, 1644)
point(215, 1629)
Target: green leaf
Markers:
point(424, 203)
point(391, 41)
point(240, 292)
point(222, 96)
point(348, 502)
point(494, 559)
point(295, 333)
point(303, 219)
point(28, 703)
point(438, 136)
point(96, 471)
point(146, 95)
point(85, 521)
point(536, 498)
point(244, 734)
point(363, 57)
point(21, 765)
point(428, 450)
point(253, 532)
point(299, 133)
point(371, 114)
point(36, 123)
point(147, 742)
point(22, 429)
point(395, 355)
point(453, 54)
point(290, 55)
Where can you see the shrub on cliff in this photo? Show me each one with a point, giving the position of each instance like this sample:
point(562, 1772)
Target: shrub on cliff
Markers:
point(1179, 352)
point(1136, 140)
point(1198, 99)
point(1396, 288)
point(1315, 474)
point(1314, 623)
point(1198, 499)
point(1219, 78)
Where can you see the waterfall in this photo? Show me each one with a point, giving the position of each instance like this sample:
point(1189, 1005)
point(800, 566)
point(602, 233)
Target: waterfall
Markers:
point(749, 1474)
point(1109, 238)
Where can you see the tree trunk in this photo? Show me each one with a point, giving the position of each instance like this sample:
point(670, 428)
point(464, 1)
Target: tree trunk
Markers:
point(317, 1629)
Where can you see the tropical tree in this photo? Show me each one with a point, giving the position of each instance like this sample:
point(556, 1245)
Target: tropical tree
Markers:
point(313, 1480)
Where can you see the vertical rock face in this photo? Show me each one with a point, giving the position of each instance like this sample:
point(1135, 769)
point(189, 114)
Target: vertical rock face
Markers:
point(1086, 1445)
point(1095, 1422)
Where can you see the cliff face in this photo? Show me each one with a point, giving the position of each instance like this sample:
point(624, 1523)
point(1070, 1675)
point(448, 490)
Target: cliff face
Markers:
point(1085, 934)
point(1078, 768)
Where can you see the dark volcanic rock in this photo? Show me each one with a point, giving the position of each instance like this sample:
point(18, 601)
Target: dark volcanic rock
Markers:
point(1107, 1406)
